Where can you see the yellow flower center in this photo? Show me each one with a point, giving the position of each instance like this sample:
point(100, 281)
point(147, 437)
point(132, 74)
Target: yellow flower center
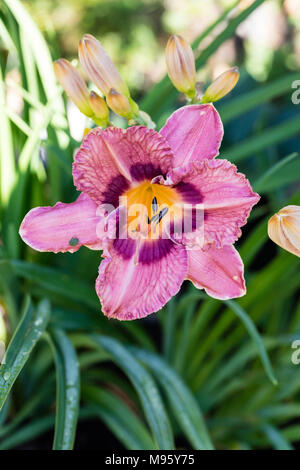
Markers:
point(149, 208)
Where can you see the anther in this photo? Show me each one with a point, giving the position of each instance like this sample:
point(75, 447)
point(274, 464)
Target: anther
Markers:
point(162, 213)
point(154, 205)
point(154, 218)
point(157, 217)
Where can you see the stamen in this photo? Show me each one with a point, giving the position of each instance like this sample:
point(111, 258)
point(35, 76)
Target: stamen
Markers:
point(157, 217)
point(154, 218)
point(162, 213)
point(156, 199)
point(154, 205)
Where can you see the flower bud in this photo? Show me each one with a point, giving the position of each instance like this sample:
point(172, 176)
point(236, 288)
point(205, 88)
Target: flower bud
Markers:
point(121, 105)
point(99, 67)
point(99, 108)
point(221, 86)
point(73, 85)
point(284, 229)
point(181, 65)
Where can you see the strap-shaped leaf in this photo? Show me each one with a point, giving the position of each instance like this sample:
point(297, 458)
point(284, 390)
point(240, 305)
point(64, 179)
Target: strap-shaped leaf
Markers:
point(29, 331)
point(122, 421)
point(275, 437)
point(56, 282)
point(283, 172)
point(68, 390)
point(28, 432)
point(146, 388)
point(251, 328)
point(260, 141)
point(183, 403)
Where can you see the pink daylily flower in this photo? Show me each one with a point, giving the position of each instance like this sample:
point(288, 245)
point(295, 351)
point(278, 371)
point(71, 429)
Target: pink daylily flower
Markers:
point(139, 274)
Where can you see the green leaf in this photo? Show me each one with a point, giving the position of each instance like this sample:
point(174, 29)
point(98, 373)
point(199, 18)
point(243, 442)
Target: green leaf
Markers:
point(34, 139)
point(292, 433)
point(282, 411)
point(211, 27)
point(145, 387)
point(56, 281)
point(182, 344)
point(285, 171)
point(261, 94)
point(119, 418)
point(251, 328)
point(68, 390)
point(183, 403)
point(276, 438)
point(29, 331)
point(28, 432)
point(7, 157)
point(230, 375)
point(39, 47)
point(168, 316)
point(25, 412)
point(263, 140)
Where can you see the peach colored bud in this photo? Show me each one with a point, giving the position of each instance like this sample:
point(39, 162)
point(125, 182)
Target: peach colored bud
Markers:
point(284, 229)
point(119, 104)
point(181, 65)
point(221, 86)
point(73, 84)
point(99, 67)
point(99, 107)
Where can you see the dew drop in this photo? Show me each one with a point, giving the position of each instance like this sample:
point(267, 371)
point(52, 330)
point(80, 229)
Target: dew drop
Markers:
point(74, 241)
point(6, 376)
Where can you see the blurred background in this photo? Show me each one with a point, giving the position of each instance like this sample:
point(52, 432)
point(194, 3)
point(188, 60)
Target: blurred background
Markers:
point(135, 33)
point(200, 373)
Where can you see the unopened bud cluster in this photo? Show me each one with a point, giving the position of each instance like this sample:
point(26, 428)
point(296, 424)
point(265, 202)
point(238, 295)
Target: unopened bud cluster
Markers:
point(101, 71)
point(182, 72)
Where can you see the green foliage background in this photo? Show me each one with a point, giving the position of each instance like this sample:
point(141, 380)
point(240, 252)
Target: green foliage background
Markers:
point(201, 373)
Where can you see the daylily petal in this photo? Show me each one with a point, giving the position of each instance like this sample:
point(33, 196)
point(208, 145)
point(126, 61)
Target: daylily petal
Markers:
point(63, 227)
point(224, 194)
point(129, 289)
point(194, 133)
point(109, 160)
point(217, 270)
